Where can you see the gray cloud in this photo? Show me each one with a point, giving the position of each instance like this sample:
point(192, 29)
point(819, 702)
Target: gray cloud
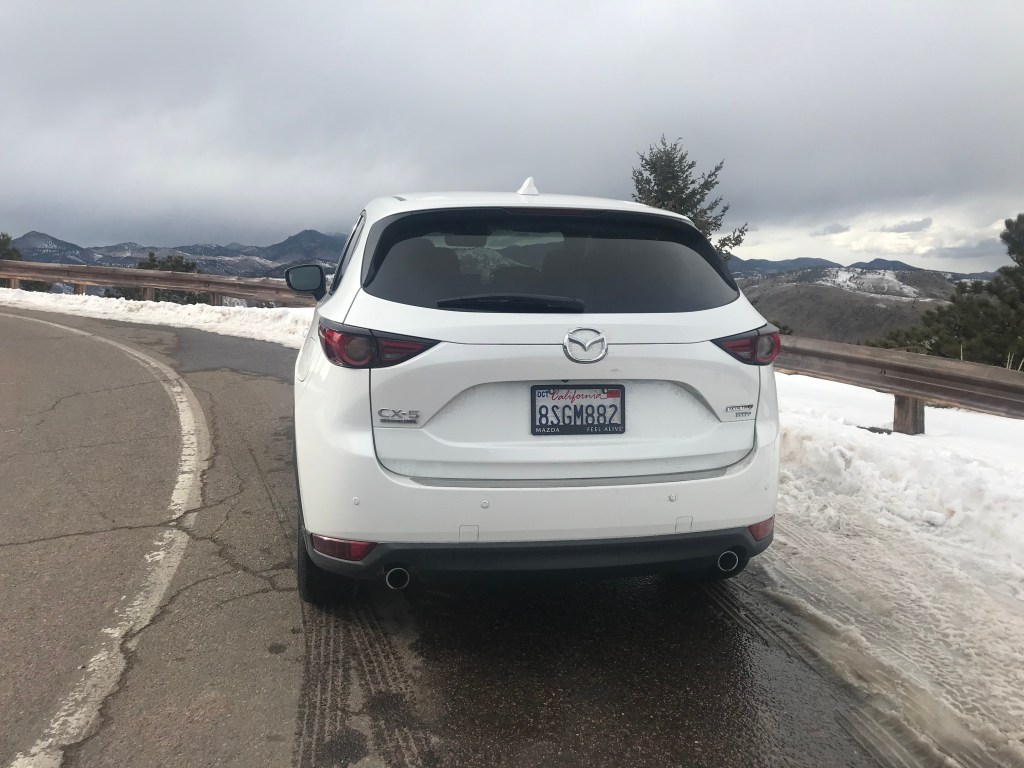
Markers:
point(831, 229)
point(231, 121)
point(918, 225)
point(991, 251)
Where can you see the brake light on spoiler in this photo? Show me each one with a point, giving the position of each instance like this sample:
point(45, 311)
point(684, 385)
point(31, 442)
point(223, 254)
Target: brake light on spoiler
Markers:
point(758, 347)
point(362, 348)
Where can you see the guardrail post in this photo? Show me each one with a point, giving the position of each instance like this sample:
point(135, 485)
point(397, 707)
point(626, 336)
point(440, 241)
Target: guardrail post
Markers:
point(216, 299)
point(908, 416)
point(79, 288)
point(148, 294)
point(13, 282)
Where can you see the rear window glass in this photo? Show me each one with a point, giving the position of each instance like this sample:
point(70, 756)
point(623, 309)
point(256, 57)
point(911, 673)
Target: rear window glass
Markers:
point(609, 261)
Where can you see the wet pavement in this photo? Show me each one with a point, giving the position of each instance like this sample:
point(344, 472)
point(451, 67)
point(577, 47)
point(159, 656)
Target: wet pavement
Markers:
point(632, 672)
point(233, 670)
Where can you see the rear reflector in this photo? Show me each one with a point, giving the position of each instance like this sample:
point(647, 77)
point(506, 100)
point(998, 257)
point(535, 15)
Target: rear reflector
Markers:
point(762, 529)
point(341, 548)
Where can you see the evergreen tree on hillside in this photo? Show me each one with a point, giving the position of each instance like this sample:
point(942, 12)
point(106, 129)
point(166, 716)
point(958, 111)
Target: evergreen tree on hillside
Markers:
point(984, 322)
point(667, 179)
point(174, 263)
point(8, 251)
point(1013, 238)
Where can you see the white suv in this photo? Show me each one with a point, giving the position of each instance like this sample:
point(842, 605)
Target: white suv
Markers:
point(523, 383)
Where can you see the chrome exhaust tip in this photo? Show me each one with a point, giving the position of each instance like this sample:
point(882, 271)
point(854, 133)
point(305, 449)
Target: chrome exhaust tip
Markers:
point(728, 561)
point(397, 578)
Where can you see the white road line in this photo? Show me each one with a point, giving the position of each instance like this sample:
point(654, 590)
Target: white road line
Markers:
point(78, 713)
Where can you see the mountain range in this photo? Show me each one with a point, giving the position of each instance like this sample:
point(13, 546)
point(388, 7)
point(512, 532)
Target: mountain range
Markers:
point(809, 296)
point(308, 246)
point(312, 246)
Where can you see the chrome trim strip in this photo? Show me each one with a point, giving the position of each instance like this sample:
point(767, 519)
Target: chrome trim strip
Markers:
point(583, 482)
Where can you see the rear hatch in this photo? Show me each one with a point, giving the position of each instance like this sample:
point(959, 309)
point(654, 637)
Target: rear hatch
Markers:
point(570, 346)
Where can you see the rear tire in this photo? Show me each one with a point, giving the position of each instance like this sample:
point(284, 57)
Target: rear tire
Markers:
point(316, 586)
point(311, 579)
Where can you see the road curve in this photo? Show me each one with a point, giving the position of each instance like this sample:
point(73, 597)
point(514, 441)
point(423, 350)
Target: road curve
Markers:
point(232, 671)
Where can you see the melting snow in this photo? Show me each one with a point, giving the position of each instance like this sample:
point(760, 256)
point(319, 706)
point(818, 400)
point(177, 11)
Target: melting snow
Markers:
point(912, 549)
point(870, 281)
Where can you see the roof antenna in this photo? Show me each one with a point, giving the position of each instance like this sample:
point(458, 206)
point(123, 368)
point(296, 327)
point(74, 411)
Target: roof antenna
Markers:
point(528, 188)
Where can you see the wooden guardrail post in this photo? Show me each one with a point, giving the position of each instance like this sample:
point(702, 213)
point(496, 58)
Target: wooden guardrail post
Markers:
point(79, 288)
point(908, 415)
point(148, 294)
point(216, 299)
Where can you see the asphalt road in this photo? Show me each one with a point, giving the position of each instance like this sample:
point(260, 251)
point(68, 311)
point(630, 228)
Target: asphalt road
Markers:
point(217, 662)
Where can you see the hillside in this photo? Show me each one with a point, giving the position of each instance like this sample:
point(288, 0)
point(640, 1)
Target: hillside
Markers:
point(835, 314)
point(39, 246)
point(847, 304)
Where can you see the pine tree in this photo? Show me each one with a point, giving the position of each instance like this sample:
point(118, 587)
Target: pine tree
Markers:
point(667, 179)
point(171, 263)
point(1013, 238)
point(8, 251)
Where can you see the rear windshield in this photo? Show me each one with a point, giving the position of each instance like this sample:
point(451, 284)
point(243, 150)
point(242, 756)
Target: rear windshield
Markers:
point(597, 261)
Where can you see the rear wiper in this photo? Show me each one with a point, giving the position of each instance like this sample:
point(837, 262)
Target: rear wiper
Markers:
point(508, 302)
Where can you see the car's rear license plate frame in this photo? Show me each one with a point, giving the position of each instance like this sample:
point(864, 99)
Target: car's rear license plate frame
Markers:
point(556, 398)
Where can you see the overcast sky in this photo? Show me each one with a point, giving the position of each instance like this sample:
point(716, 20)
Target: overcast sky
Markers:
point(849, 130)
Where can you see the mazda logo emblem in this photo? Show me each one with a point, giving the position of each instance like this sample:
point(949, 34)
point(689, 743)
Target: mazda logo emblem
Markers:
point(585, 345)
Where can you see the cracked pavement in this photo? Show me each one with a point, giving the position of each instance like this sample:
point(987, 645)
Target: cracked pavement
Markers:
point(88, 457)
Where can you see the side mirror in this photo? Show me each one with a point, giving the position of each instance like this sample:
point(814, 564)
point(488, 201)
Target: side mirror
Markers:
point(308, 278)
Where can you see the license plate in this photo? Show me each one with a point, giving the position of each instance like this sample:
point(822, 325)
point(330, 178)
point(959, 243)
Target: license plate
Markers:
point(578, 410)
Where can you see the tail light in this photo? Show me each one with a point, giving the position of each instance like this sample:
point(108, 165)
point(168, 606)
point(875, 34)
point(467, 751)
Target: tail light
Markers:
point(359, 348)
point(341, 548)
point(760, 530)
point(757, 347)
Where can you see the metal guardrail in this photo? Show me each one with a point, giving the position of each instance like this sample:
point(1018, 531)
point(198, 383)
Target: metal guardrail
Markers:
point(914, 379)
point(217, 286)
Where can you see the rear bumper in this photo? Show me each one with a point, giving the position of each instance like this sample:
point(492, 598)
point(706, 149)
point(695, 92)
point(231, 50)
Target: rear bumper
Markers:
point(628, 556)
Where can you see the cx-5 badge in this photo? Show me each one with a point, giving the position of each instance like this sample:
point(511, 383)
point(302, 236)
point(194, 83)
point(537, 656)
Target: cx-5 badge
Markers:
point(397, 416)
point(585, 345)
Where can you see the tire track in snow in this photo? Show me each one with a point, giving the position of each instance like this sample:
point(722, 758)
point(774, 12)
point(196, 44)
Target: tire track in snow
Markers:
point(78, 714)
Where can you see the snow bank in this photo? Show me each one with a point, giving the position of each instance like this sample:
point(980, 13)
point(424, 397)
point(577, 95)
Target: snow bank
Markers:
point(283, 326)
point(911, 550)
point(961, 481)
